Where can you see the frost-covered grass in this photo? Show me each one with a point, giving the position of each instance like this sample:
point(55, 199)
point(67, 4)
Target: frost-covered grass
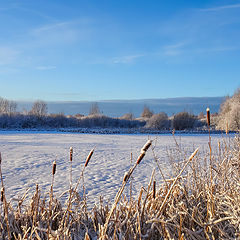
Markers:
point(28, 156)
point(189, 206)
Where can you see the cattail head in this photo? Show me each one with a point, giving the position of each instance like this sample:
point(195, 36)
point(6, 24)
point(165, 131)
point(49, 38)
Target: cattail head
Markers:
point(141, 156)
point(143, 150)
point(71, 154)
point(126, 177)
point(0, 158)
point(208, 117)
point(154, 189)
point(2, 194)
point(54, 168)
point(89, 157)
point(146, 146)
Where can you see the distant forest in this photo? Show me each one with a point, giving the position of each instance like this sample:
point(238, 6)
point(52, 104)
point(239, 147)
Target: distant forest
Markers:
point(38, 117)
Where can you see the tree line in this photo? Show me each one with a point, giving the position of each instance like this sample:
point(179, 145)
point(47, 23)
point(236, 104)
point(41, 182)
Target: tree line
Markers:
point(38, 117)
point(228, 118)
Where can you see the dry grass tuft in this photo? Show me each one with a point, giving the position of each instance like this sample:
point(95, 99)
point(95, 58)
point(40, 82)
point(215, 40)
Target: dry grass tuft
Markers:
point(202, 201)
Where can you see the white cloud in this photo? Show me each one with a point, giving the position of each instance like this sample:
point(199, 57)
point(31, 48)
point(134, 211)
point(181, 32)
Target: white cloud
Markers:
point(218, 49)
point(220, 8)
point(175, 49)
point(200, 31)
point(183, 48)
point(65, 32)
point(51, 27)
point(53, 34)
point(43, 68)
point(127, 59)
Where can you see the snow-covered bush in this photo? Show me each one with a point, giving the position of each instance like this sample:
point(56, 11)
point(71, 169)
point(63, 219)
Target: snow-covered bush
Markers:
point(229, 116)
point(159, 121)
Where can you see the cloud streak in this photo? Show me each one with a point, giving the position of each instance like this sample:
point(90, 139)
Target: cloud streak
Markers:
point(175, 49)
point(221, 8)
point(52, 27)
point(44, 68)
point(127, 59)
point(61, 33)
point(196, 32)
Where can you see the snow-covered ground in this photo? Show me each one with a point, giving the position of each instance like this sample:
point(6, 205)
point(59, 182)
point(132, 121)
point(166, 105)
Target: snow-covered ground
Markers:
point(27, 159)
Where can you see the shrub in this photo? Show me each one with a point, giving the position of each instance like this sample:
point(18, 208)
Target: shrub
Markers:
point(127, 116)
point(159, 121)
point(229, 116)
point(183, 120)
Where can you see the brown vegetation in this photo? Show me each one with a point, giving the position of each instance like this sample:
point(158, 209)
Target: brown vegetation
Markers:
point(201, 201)
point(183, 120)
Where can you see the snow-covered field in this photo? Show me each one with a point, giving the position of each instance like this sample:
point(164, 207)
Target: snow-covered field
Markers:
point(27, 159)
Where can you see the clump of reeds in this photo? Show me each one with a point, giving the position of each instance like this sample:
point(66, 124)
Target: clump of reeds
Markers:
point(177, 208)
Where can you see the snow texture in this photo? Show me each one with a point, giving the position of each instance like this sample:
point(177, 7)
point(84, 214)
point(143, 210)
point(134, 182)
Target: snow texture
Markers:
point(27, 159)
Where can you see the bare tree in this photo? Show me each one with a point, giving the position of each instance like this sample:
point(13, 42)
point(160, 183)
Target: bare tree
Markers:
point(94, 109)
point(39, 108)
point(12, 107)
point(4, 106)
point(7, 107)
point(229, 115)
point(146, 112)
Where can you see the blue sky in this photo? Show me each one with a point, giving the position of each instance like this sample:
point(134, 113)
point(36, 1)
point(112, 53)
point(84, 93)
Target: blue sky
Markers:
point(100, 50)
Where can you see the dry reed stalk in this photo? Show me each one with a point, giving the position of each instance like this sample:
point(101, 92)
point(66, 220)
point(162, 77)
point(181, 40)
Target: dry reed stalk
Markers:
point(125, 180)
point(131, 181)
point(180, 227)
point(5, 204)
point(147, 194)
point(159, 168)
point(211, 160)
point(69, 201)
point(35, 208)
point(174, 182)
point(70, 174)
point(70, 187)
point(140, 198)
point(50, 213)
point(187, 215)
point(227, 128)
point(139, 226)
point(85, 165)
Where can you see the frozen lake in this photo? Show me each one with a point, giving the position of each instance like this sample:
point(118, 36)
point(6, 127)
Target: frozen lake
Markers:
point(27, 159)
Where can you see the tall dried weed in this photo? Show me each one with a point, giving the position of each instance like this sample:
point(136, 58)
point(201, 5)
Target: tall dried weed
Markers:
point(202, 201)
